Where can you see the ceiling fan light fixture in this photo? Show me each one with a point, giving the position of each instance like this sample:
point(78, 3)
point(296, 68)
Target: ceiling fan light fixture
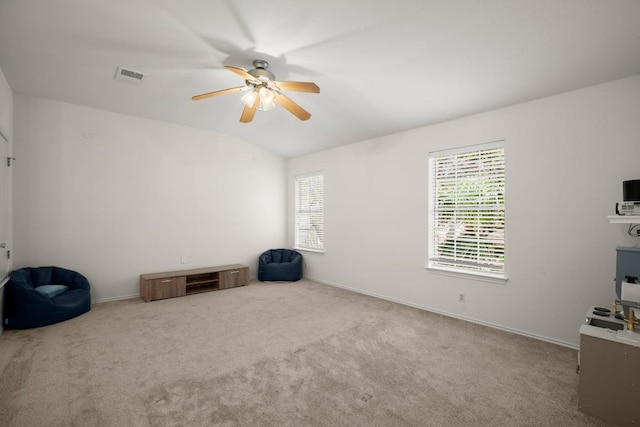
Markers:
point(267, 99)
point(249, 98)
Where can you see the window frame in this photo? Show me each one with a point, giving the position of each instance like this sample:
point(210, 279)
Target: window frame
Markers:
point(298, 212)
point(451, 262)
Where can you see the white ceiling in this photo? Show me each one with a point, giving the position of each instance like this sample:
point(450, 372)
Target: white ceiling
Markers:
point(382, 66)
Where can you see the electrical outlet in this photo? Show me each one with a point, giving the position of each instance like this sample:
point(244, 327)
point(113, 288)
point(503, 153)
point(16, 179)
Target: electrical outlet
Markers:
point(460, 297)
point(183, 259)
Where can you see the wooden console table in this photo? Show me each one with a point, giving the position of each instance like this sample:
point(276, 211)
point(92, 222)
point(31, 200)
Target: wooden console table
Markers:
point(172, 284)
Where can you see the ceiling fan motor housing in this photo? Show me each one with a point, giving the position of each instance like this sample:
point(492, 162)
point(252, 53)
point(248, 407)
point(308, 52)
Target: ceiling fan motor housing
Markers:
point(261, 72)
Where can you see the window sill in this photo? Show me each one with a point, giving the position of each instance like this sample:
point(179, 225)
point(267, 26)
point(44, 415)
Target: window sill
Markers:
point(501, 280)
point(315, 251)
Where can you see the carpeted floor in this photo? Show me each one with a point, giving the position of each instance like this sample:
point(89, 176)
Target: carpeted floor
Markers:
point(280, 354)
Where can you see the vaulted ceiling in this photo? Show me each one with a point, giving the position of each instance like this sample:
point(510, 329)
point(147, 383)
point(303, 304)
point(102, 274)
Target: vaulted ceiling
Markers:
point(382, 66)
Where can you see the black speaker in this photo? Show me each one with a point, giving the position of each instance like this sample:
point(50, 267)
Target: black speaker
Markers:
point(631, 191)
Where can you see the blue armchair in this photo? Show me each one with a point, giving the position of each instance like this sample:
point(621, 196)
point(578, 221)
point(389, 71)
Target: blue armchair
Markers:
point(280, 265)
point(45, 295)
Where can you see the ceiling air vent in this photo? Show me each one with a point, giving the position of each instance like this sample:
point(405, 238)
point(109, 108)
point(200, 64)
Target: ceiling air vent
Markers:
point(129, 76)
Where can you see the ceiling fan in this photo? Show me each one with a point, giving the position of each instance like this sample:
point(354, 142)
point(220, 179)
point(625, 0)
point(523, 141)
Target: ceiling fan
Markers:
point(264, 92)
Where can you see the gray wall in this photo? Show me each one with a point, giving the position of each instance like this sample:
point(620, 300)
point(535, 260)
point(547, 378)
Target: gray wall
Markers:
point(566, 158)
point(114, 196)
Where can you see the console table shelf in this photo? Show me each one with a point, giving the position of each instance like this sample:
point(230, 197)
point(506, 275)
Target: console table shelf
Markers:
point(173, 284)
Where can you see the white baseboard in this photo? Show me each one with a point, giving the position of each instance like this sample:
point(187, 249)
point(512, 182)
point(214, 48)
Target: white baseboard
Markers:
point(445, 313)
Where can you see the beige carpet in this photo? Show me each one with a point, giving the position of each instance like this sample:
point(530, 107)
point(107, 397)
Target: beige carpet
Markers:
point(280, 354)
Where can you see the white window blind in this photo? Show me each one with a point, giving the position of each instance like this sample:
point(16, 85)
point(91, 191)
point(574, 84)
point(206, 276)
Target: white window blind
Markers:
point(309, 233)
point(467, 205)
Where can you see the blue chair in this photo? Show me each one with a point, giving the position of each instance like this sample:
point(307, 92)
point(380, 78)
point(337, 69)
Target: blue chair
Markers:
point(280, 265)
point(44, 295)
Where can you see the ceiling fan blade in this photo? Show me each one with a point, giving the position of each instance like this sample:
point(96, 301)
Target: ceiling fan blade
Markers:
point(242, 73)
point(299, 86)
point(218, 92)
point(249, 112)
point(292, 107)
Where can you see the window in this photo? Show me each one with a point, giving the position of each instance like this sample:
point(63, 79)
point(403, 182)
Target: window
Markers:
point(309, 233)
point(466, 215)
